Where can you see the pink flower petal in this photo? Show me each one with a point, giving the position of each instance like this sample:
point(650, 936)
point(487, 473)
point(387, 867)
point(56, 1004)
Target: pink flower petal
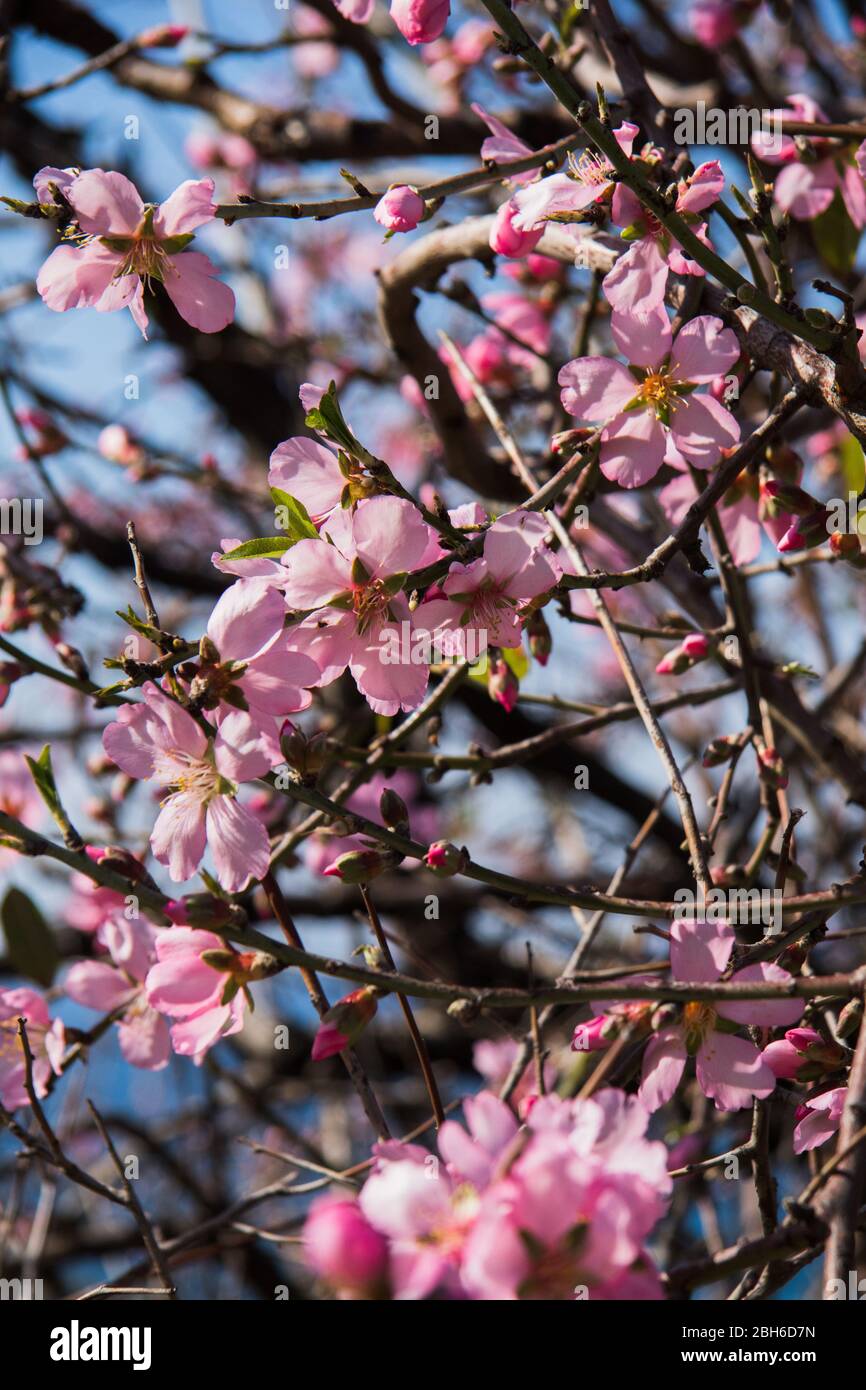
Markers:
point(704, 350)
point(632, 449)
point(188, 207)
point(700, 950)
point(663, 1064)
point(238, 842)
point(731, 1072)
point(199, 297)
point(106, 204)
point(702, 428)
point(643, 337)
point(596, 388)
point(767, 1013)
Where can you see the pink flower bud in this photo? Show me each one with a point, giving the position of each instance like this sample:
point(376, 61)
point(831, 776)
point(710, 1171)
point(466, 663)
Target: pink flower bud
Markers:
point(772, 768)
point(357, 866)
point(502, 685)
point(594, 1035)
point(420, 21)
point(163, 36)
point(344, 1023)
point(446, 859)
point(714, 22)
point(506, 239)
point(719, 751)
point(400, 209)
point(342, 1247)
point(696, 646)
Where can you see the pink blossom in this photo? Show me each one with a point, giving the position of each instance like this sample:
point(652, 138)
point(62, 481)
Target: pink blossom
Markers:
point(420, 21)
point(589, 181)
point(506, 240)
point(714, 22)
point(730, 1069)
point(353, 587)
point(806, 189)
point(501, 146)
point(308, 471)
point(427, 1221)
point(47, 1042)
point(182, 985)
point(646, 411)
point(818, 1119)
point(576, 1206)
point(343, 1248)
point(486, 596)
point(127, 245)
point(802, 1055)
point(157, 739)
point(400, 209)
point(638, 280)
point(357, 11)
point(246, 627)
point(119, 987)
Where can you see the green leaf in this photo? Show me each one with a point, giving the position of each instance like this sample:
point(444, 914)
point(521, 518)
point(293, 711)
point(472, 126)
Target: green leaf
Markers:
point(517, 659)
point(295, 519)
point(262, 548)
point(30, 941)
point(835, 236)
point(43, 775)
point(327, 417)
point(853, 466)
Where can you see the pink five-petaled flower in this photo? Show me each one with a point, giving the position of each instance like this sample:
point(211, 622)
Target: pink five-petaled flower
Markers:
point(420, 21)
point(246, 627)
point(651, 405)
point(730, 1069)
point(484, 598)
point(590, 181)
point(639, 278)
point(806, 188)
point(128, 245)
point(343, 1248)
point(159, 740)
point(427, 1221)
point(46, 1039)
point(183, 985)
point(353, 585)
point(142, 1032)
point(818, 1119)
point(400, 209)
point(575, 1209)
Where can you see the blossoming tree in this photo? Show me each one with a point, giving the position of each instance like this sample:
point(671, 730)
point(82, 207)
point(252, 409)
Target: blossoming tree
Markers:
point(360, 797)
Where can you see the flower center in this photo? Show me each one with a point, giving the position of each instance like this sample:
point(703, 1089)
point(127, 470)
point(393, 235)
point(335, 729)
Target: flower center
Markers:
point(181, 772)
point(699, 1019)
point(591, 168)
point(146, 258)
point(658, 389)
point(370, 604)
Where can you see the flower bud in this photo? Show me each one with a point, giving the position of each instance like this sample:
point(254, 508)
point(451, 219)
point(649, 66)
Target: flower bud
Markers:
point(850, 1018)
point(163, 36)
point(502, 684)
point(807, 532)
point(772, 768)
point(508, 240)
point(201, 910)
point(343, 1248)
point(779, 496)
point(595, 1034)
point(343, 1024)
point(400, 209)
point(540, 640)
point(847, 546)
point(119, 859)
point(446, 859)
point(720, 750)
point(392, 809)
point(357, 866)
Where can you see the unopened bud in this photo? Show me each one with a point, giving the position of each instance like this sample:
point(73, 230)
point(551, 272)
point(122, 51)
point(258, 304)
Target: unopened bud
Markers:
point(392, 809)
point(850, 1018)
point(446, 859)
point(357, 866)
point(343, 1024)
point(540, 640)
point(720, 750)
point(772, 768)
point(502, 684)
